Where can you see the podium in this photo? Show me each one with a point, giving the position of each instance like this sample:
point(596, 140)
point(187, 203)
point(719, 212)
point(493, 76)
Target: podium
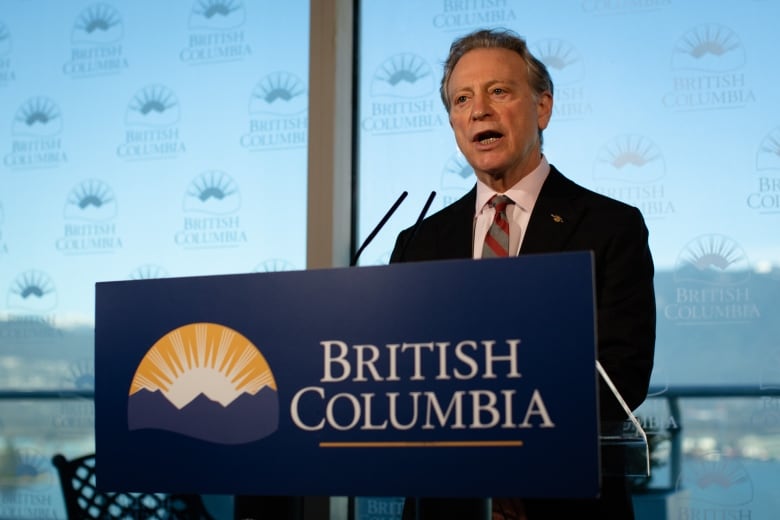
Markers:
point(399, 380)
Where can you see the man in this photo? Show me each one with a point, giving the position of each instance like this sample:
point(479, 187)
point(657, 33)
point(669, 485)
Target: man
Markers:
point(499, 99)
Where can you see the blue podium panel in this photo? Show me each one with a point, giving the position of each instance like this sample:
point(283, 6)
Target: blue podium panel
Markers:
point(453, 378)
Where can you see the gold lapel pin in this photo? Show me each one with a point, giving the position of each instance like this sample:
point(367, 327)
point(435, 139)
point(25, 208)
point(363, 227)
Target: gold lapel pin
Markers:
point(556, 218)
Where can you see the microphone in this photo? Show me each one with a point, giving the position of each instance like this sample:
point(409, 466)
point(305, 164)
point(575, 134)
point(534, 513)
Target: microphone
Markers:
point(417, 225)
point(379, 226)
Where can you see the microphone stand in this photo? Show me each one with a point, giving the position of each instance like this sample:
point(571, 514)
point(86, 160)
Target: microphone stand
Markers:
point(378, 227)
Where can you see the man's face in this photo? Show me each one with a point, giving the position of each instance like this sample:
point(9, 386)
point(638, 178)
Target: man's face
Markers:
point(495, 117)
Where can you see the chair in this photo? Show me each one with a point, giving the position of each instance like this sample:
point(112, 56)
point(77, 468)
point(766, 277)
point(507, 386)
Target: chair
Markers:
point(83, 501)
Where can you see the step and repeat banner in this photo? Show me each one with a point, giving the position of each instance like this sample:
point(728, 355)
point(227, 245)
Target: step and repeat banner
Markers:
point(669, 106)
point(138, 139)
point(141, 140)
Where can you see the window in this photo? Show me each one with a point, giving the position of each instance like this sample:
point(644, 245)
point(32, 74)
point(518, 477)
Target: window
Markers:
point(139, 140)
point(668, 106)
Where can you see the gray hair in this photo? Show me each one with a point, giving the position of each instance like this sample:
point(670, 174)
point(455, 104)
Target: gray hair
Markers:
point(538, 76)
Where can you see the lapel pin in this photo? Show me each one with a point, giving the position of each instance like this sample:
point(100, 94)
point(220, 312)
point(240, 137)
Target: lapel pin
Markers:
point(556, 218)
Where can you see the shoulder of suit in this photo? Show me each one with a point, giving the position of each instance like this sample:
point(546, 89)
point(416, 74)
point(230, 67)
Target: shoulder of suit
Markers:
point(593, 197)
point(465, 204)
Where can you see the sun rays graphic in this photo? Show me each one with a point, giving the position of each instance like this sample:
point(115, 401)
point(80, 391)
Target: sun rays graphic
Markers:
point(203, 358)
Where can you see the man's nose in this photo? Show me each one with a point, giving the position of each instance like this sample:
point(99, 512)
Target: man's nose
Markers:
point(480, 108)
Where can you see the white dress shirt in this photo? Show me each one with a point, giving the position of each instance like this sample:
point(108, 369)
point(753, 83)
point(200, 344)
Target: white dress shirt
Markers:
point(523, 194)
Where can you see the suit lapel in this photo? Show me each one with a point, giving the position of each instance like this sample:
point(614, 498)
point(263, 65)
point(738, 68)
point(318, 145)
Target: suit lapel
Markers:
point(461, 227)
point(555, 216)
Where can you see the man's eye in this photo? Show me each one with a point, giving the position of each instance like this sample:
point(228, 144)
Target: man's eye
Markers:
point(498, 91)
point(460, 99)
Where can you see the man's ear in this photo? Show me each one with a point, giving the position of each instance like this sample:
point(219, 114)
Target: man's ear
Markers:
point(544, 106)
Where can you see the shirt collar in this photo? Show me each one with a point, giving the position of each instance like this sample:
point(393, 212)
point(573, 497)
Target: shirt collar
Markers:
point(524, 193)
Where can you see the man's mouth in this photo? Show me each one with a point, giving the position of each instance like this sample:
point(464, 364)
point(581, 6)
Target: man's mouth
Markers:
point(488, 137)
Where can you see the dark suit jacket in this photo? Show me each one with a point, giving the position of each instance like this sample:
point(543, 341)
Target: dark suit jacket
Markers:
point(569, 217)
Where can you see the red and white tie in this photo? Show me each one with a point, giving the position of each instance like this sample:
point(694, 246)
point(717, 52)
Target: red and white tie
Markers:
point(497, 238)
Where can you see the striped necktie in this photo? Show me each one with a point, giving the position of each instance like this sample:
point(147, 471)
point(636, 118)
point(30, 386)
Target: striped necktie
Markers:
point(497, 238)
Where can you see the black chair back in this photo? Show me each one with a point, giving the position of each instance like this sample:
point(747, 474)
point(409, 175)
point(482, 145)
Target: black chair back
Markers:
point(83, 501)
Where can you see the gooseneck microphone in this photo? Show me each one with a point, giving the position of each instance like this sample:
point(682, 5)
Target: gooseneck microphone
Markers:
point(379, 226)
point(416, 226)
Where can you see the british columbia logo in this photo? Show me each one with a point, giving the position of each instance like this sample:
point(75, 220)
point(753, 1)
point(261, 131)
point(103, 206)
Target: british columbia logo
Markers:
point(766, 197)
point(96, 42)
point(457, 177)
point(81, 375)
point(211, 220)
point(216, 32)
point(206, 381)
point(711, 283)
point(403, 97)
point(631, 168)
point(278, 113)
point(717, 482)
point(567, 68)
point(32, 291)
point(708, 71)
point(90, 211)
point(31, 297)
point(77, 416)
point(29, 467)
point(36, 140)
point(460, 16)
point(152, 130)
point(26, 478)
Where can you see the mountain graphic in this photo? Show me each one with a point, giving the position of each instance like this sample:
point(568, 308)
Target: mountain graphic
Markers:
point(248, 418)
